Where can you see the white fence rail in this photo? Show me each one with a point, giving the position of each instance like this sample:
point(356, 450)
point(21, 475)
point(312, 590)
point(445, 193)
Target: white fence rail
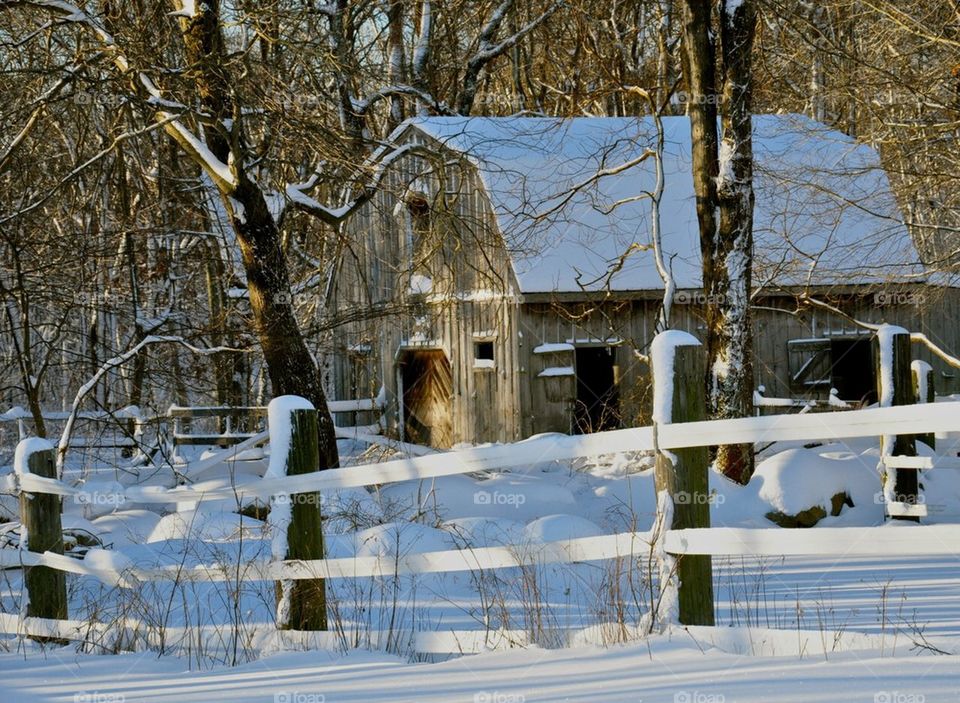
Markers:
point(904, 540)
point(927, 540)
point(909, 419)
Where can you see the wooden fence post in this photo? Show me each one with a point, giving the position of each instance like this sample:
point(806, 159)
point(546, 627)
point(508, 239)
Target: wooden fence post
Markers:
point(924, 392)
point(895, 387)
point(678, 363)
point(295, 519)
point(41, 531)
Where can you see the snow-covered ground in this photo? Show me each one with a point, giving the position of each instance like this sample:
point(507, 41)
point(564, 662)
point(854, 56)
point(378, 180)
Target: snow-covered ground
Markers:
point(675, 668)
point(861, 628)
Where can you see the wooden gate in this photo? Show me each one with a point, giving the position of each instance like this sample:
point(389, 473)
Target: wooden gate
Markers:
point(427, 392)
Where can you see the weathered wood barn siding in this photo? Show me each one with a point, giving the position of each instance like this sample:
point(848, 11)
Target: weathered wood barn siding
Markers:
point(628, 323)
point(473, 297)
point(929, 310)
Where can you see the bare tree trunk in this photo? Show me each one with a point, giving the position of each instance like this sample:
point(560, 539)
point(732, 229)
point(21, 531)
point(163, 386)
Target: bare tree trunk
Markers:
point(730, 325)
point(665, 66)
point(489, 48)
point(421, 52)
point(818, 76)
point(22, 340)
point(290, 366)
point(395, 74)
point(722, 178)
point(699, 68)
point(215, 303)
point(135, 395)
point(341, 43)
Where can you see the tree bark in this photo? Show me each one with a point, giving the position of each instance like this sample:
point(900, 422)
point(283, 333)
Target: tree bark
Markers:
point(395, 54)
point(699, 69)
point(723, 185)
point(290, 365)
point(731, 353)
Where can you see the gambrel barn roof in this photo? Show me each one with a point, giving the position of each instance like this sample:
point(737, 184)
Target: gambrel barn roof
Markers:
point(824, 211)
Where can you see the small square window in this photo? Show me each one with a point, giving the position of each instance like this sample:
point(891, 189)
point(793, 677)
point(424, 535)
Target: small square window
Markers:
point(483, 350)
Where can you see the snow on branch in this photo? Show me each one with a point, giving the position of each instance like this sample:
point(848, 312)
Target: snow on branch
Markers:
point(492, 26)
point(804, 298)
point(190, 9)
point(107, 367)
point(297, 192)
point(921, 338)
point(361, 107)
point(329, 9)
point(487, 50)
point(195, 148)
point(220, 172)
point(68, 12)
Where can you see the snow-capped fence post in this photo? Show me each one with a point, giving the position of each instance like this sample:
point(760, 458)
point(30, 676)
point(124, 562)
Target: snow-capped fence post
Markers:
point(41, 531)
point(924, 392)
point(295, 519)
point(678, 363)
point(892, 349)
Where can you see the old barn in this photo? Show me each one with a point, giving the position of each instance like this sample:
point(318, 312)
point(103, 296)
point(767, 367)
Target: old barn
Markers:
point(501, 283)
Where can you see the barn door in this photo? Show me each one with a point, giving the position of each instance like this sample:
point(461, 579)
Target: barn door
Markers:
point(427, 392)
point(598, 393)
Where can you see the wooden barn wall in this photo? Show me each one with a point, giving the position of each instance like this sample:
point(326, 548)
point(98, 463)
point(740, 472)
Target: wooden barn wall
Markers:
point(474, 292)
point(377, 312)
point(932, 311)
point(631, 324)
point(627, 326)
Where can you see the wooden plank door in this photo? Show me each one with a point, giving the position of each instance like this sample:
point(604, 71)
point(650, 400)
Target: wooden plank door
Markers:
point(427, 394)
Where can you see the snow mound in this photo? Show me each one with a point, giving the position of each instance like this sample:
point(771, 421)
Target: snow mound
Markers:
point(9, 508)
point(485, 532)
point(798, 479)
point(555, 528)
point(347, 508)
point(400, 538)
point(252, 454)
point(100, 497)
point(510, 496)
point(629, 501)
point(109, 565)
point(75, 523)
point(338, 546)
point(208, 525)
point(125, 527)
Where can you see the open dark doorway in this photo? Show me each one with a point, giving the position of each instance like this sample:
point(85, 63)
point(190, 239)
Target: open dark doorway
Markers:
point(427, 388)
point(598, 394)
point(853, 373)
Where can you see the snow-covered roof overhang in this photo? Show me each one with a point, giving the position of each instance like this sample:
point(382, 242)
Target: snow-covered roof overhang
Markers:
point(824, 211)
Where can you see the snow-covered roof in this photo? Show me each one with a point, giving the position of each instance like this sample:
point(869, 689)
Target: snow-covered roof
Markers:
point(824, 210)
